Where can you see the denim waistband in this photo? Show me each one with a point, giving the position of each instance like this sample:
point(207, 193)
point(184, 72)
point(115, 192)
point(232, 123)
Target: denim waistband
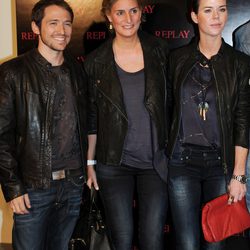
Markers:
point(201, 152)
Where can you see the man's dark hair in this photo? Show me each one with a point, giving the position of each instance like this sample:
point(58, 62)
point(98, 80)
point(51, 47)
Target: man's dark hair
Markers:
point(38, 9)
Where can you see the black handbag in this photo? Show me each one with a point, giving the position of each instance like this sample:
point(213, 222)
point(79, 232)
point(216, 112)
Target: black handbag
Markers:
point(90, 230)
point(98, 235)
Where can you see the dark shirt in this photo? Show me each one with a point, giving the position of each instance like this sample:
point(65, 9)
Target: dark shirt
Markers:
point(199, 113)
point(65, 136)
point(137, 150)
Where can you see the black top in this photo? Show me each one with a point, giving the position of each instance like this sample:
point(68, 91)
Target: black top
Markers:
point(199, 113)
point(137, 150)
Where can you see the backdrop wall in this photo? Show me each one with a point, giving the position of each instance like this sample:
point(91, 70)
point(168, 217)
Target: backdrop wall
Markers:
point(164, 18)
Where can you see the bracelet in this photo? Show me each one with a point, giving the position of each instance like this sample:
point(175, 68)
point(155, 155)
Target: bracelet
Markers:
point(91, 162)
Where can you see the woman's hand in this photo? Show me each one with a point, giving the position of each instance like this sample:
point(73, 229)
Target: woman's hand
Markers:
point(236, 191)
point(92, 177)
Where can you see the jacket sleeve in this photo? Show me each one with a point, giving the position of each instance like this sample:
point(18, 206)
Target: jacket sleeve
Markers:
point(169, 91)
point(242, 112)
point(92, 107)
point(11, 183)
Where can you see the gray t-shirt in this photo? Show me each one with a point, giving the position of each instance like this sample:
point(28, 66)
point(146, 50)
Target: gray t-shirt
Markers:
point(137, 150)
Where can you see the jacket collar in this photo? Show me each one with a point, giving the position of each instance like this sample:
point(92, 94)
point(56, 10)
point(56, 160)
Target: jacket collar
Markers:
point(105, 54)
point(152, 66)
point(43, 62)
point(198, 56)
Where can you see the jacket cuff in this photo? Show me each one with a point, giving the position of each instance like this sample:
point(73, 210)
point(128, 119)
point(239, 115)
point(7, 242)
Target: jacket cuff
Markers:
point(11, 191)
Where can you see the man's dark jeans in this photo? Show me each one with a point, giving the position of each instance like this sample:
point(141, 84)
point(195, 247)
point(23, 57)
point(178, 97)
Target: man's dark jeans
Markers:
point(117, 186)
point(52, 216)
point(195, 177)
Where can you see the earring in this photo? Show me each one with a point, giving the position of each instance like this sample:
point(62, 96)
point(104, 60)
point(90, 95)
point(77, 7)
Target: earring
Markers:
point(110, 26)
point(143, 18)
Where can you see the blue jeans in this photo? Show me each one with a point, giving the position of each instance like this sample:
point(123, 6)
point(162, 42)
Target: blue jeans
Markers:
point(52, 216)
point(248, 182)
point(117, 187)
point(194, 179)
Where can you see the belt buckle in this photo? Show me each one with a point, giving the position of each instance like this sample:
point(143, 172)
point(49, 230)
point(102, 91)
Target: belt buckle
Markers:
point(58, 175)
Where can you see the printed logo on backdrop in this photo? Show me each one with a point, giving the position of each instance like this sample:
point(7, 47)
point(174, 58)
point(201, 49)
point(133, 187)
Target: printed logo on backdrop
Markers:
point(167, 20)
point(164, 18)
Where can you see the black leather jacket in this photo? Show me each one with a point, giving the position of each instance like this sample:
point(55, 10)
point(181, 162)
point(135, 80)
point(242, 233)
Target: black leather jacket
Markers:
point(231, 71)
point(108, 118)
point(26, 100)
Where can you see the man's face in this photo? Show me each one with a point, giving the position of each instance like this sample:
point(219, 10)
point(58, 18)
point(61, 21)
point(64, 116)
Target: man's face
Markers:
point(56, 29)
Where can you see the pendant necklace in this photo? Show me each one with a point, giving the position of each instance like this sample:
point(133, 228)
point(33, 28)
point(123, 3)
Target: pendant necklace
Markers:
point(203, 105)
point(202, 109)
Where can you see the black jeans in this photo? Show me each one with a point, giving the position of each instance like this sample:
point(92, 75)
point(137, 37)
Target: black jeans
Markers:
point(195, 177)
point(117, 186)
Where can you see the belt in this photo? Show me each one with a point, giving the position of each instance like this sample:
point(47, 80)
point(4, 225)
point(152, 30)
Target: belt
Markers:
point(66, 173)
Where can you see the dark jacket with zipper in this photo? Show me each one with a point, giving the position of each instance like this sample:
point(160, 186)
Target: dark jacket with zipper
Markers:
point(231, 73)
point(27, 93)
point(107, 115)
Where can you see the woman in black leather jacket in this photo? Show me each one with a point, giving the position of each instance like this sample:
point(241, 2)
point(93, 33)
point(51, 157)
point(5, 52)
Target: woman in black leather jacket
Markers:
point(208, 141)
point(128, 127)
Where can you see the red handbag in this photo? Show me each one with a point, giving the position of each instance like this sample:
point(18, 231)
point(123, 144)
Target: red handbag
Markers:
point(221, 220)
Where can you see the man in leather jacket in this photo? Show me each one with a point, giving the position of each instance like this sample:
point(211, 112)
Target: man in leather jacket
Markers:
point(43, 133)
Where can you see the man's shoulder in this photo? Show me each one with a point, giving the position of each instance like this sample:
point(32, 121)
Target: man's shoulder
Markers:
point(243, 30)
point(13, 63)
point(236, 54)
point(13, 68)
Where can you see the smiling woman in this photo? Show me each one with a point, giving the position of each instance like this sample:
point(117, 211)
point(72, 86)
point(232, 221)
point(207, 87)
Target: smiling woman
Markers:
point(129, 134)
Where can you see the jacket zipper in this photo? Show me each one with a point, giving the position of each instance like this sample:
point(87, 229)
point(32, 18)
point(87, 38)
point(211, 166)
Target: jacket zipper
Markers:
point(221, 124)
point(179, 122)
point(113, 103)
point(46, 133)
point(124, 116)
point(80, 136)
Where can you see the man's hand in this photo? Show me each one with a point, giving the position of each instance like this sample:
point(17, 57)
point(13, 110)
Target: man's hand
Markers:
point(20, 204)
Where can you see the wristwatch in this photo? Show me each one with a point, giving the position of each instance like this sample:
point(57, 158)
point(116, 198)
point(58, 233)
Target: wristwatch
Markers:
point(241, 178)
